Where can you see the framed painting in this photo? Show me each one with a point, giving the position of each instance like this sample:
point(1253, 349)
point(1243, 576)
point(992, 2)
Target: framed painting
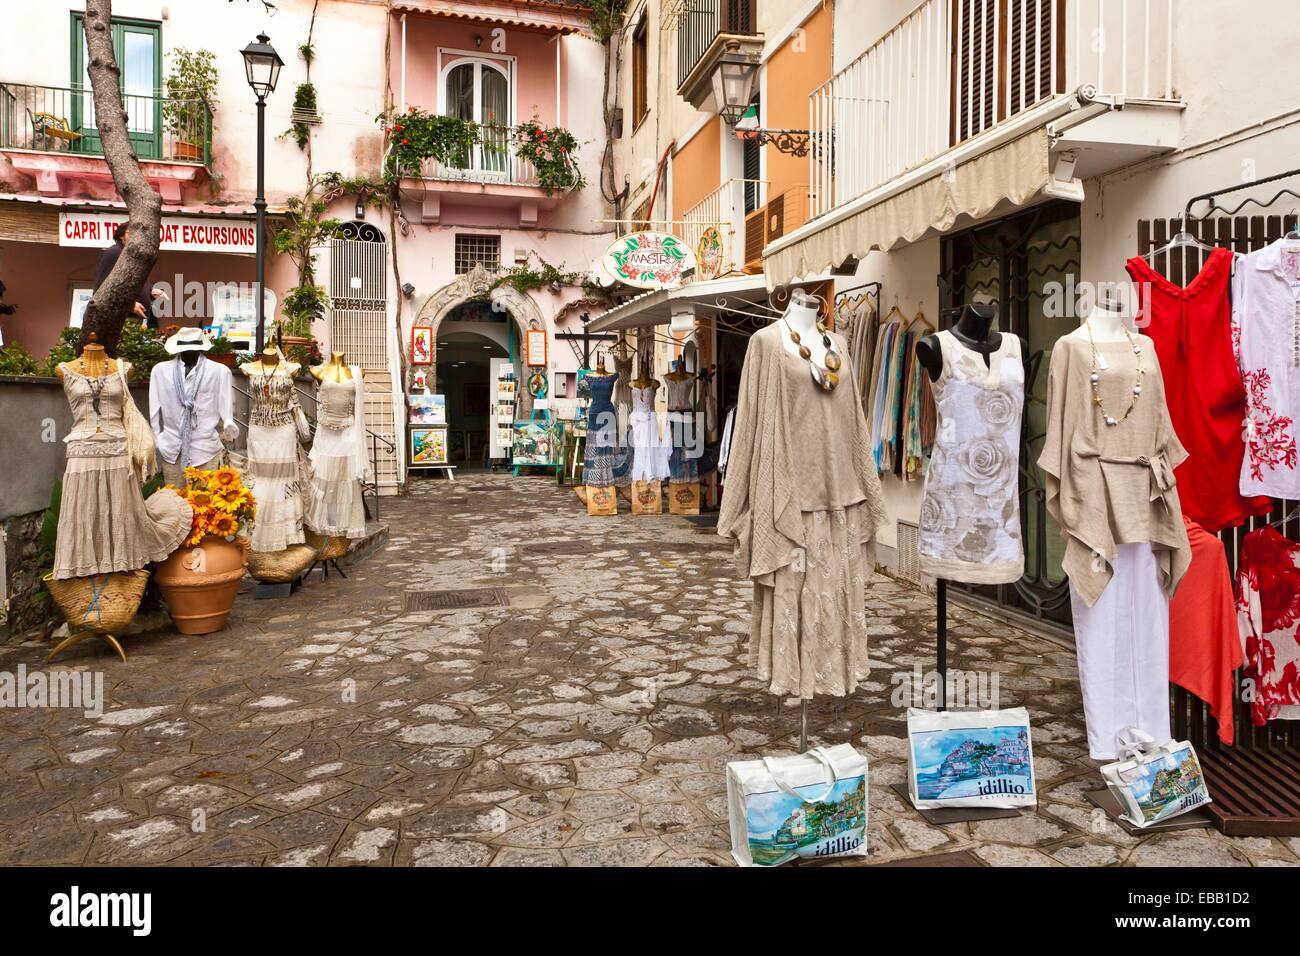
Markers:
point(533, 444)
point(535, 347)
point(422, 345)
point(429, 445)
point(427, 409)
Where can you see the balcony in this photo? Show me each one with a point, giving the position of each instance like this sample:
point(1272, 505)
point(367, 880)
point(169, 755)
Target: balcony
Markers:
point(720, 218)
point(956, 71)
point(488, 169)
point(48, 133)
point(704, 30)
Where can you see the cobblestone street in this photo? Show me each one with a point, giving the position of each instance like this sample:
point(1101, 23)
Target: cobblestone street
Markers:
point(586, 722)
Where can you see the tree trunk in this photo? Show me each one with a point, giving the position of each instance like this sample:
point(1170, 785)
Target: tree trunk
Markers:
point(113, 302)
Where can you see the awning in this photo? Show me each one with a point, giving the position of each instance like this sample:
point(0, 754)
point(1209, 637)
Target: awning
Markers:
point(537, 15)
point(657, 308)
point(1014, 172)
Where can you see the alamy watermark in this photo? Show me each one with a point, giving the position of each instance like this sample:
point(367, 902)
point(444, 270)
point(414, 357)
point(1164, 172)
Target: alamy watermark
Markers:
point(966, 690)
point(75, 690)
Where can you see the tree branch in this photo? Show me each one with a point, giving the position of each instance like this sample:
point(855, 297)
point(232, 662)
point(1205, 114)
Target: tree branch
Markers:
point(113, 301)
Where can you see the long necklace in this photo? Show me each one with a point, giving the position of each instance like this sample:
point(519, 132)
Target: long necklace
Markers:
point(1095, 378)
point(826, 379)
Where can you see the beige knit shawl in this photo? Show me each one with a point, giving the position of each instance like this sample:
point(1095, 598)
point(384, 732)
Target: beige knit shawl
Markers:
point(766, 488)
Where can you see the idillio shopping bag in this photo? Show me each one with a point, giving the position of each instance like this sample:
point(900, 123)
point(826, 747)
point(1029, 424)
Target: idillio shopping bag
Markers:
point(980, 758)
point(1152, 781)
point(812, 805)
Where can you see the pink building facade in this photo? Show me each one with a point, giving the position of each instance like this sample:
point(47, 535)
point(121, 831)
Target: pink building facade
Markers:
point(452, 237)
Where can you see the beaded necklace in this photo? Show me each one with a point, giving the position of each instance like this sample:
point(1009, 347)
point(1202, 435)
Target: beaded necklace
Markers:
point(1095, 377)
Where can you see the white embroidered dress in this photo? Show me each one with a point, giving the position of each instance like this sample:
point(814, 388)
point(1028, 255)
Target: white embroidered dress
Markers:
point(339, 460)
point(970, 513)
point(1266, 324)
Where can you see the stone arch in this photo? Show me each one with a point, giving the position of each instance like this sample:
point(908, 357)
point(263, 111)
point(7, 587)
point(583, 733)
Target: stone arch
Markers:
point(476, 284)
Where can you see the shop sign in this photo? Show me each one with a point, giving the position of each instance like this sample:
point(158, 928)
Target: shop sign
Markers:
point(648, 260)
point(708, 255)
point(176, 234)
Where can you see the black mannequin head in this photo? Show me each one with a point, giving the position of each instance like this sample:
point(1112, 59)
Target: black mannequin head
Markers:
point(191, 357)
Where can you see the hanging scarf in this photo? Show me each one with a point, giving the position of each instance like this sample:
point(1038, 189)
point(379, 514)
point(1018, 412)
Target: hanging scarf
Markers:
point(187, 390)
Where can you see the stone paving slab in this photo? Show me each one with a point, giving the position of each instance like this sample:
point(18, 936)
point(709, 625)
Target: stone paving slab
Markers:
point(588, 723)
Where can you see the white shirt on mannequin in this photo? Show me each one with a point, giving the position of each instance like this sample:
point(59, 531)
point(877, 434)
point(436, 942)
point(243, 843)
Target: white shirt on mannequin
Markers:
point(212, 407)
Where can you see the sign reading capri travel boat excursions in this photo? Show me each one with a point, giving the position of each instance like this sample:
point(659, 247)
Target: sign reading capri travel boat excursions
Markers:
point(648, 260)
point(177, 233)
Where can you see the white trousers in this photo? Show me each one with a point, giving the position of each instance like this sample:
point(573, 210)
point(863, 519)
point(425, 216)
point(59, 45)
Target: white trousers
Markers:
point(1123, 647)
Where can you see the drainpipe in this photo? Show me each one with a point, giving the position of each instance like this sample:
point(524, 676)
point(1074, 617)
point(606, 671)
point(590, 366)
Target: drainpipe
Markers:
point(403, 108)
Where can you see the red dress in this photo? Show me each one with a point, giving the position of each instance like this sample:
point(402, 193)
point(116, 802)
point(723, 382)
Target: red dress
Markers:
point(1192, 330)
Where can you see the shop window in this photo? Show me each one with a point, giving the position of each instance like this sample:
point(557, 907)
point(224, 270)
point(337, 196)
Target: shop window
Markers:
point(471, 249)
point(640, 73)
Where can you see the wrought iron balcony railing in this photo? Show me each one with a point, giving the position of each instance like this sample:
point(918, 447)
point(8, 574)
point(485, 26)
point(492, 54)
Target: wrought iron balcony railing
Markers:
point(700, 22)
point(61, 119)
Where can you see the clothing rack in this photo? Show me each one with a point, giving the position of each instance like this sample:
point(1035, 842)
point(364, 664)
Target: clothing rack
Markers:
point(1255, 783)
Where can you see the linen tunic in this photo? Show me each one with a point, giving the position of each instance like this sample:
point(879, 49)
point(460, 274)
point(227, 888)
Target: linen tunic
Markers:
point(803, 503)
point(1112, 485)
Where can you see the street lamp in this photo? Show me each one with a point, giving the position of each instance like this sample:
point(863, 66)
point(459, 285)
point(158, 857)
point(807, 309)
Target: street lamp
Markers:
point(733, 91)
point(262, 65)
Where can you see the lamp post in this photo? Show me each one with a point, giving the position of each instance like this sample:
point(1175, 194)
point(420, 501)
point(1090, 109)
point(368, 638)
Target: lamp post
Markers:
point(262, 66)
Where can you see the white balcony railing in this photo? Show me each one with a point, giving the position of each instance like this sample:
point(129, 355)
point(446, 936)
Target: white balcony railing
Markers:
point(491, 161)
point(954, 69)
point(722, 209)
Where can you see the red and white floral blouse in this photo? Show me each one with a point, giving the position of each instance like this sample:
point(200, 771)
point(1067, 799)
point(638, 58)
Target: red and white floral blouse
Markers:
point(1268, 614)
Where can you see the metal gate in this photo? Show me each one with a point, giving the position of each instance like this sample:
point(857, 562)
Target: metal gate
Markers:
point(358, 288)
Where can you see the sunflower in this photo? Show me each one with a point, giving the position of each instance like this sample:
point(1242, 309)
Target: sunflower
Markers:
point(224, 525)
point(226, 477)
point(200, 499)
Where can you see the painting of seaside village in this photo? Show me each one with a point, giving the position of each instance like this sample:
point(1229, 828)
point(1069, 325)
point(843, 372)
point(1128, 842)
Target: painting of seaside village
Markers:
point(1163, 787)
point(972, 762)
point(781, 827)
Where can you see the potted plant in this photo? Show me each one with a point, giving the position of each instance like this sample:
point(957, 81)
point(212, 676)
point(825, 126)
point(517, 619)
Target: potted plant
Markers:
point(191, 86)
point(302, 306)
point(222, 351)
point(200, 579)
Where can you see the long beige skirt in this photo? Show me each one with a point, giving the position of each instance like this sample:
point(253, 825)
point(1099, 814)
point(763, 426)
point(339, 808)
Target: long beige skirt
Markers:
point(808, 634)
point(105, 524)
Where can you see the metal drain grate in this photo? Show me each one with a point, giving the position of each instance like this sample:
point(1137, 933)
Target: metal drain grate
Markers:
point(454, 600)
point(560, 547)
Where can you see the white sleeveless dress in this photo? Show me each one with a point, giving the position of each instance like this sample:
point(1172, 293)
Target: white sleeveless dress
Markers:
point(970, 513)
point(649, 452)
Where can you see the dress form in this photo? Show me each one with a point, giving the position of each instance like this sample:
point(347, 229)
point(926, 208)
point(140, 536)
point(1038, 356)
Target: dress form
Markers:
point(1108, 322)
point(334, 370)
point(801, 318)
point(93, 362)
point(973, 329)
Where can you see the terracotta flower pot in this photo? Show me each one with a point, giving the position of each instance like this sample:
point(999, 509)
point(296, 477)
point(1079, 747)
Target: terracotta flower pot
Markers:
point(200, 582)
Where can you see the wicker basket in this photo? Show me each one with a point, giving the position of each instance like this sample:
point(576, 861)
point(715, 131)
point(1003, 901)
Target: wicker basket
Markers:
point(328, 549)
point(277, 567)
point(101, 603)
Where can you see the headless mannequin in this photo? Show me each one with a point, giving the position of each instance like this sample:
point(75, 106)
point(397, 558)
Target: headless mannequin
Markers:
point(600, 366)
point(1108, 321)
point(642, 379)
point(801, 318)
point(335, 370)
point(973, 329)
point(678, 373)
point(267, 361)
point(93, 361)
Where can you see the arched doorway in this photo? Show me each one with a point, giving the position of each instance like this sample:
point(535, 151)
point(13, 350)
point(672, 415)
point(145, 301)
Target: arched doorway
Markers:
point(476, 328)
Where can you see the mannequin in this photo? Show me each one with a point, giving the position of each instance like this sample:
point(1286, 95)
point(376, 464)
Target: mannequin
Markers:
point(643, 378)
point(267, 361)
point(1108, 321)
point(190, 407)
point(334, 370)
point(973, 328)
point(600, 366)
point(278, 469)
point(801, 318)
point(93, 362)
point(679, 373)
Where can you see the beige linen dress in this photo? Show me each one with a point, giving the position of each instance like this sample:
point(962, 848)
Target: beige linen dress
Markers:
point(1112, 485)
point(803, 503)
point(105, 523)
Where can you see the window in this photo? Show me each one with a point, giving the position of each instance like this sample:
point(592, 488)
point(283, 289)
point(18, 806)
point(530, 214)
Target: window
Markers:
point(640, 68)
point(478, 91)
point(471, 249)
point(138, 48)
point(752, 170)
